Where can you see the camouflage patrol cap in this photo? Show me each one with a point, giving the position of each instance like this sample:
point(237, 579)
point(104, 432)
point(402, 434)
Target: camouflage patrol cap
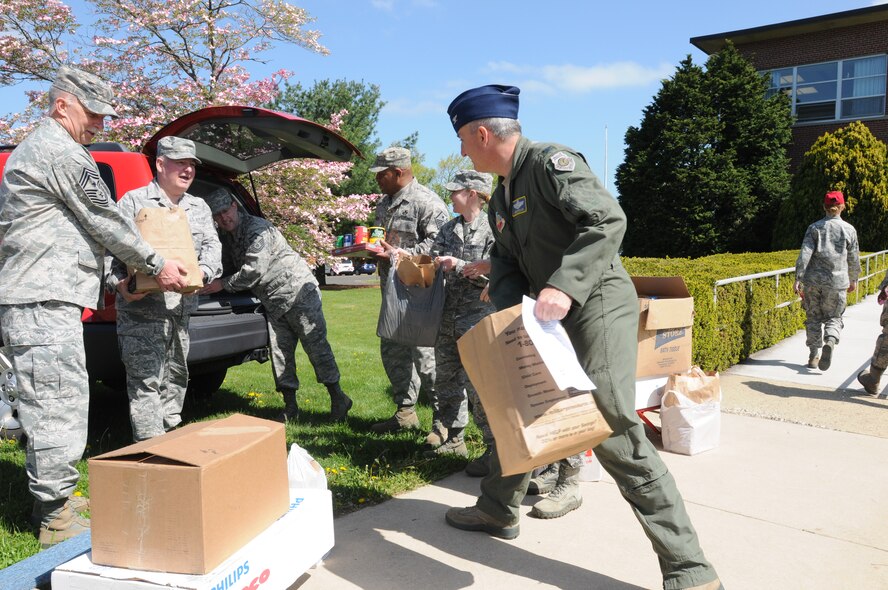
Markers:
point(176, 148)
point(93, 93)
point(219, 200)
point(393, 157)
point(472, 180)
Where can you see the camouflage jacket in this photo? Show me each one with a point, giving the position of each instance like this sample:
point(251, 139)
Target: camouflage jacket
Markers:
point(829, 256)
point(57, 217)
point(468, 242)
point(257, 257)
point(203, 234)
point(411, 218)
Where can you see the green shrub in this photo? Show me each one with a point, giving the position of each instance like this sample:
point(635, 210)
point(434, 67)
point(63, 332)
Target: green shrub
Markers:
point(735, 320)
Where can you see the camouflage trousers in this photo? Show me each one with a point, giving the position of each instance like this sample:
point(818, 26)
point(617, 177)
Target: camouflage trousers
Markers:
point(880, 354)
point(44, 343)
point(454, 391)
point(823, 314)
point(304, 322)
point(154, 351)
point(409, 369)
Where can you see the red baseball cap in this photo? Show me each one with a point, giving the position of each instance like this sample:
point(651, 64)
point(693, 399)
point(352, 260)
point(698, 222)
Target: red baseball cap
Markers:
point(834, 198)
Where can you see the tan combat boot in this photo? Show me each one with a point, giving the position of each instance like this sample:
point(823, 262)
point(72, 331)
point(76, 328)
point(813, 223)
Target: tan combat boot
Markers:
point(564, 498)
point(870, 379)
point(67, 525)
point(404, 419)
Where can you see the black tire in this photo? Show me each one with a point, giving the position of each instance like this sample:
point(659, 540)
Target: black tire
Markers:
point(206, 384)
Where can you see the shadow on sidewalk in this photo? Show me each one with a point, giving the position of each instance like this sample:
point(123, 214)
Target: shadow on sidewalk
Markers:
point(787, 391)
point(399, 548)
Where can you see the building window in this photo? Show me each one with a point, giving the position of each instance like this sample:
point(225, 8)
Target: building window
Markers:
point(836, 90)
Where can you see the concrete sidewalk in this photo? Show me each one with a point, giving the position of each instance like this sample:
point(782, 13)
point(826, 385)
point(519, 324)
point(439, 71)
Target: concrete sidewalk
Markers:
point(778, 505)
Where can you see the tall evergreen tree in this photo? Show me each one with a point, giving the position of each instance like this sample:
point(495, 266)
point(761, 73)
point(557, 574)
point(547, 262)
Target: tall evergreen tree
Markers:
point(326, 98)
point(702, 172)
point(851, 160)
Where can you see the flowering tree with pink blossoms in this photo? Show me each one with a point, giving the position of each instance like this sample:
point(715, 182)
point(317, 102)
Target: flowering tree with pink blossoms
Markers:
point(166, 58)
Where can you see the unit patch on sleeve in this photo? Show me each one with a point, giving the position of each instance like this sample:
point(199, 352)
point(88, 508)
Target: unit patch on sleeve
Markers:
point(500, 222)
point(563, 162)
point(519, 206)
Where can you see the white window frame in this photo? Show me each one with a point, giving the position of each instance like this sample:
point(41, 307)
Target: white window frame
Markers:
point(837, 113)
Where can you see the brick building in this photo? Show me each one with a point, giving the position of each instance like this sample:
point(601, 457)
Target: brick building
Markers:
point(832, 66)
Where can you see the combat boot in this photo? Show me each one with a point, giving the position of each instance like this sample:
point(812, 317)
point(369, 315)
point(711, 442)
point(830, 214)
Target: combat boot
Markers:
point(291, 410)
point(454, 445)
point(438, 435)
point(826, 354)
point(404, 419)
point(564, 498)
point(870, 379)
point(545, 481)
point(340, 403)
point(814, 357)
point(78, 504)
point(473, 519)
point(479, 467)
point(66, 525)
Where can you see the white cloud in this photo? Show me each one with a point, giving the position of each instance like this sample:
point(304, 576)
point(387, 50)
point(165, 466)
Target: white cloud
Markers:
point(877, 2)
point(581, 79)
point(387, 5)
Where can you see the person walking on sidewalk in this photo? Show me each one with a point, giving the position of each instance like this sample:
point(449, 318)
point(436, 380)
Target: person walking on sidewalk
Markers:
point(412, 215)
point(871, 377)
point(826, 270)
point(257, 257)
point(557, 235)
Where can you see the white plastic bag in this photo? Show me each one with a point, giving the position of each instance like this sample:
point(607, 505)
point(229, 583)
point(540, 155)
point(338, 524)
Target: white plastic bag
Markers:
point(690, 413)
point(303, 471)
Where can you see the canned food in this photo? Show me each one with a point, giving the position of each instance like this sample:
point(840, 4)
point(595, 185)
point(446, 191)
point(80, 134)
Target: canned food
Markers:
point(338, 243)
point(361, 234)
point(376, 234)
point(347, 240)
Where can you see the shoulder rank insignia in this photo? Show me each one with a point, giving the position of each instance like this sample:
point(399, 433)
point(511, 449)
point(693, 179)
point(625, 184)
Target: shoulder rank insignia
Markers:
point(563, 162)
point(500, 222)
point(89, 181)
point(519, 206)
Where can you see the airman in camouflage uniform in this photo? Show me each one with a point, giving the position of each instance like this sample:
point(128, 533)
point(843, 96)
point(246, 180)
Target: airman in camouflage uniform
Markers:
point(462, 240)
point(870, 378)
point(152, 328)
point(57, 218)
point(257, 257)
point(412, 215)
point(826, 269)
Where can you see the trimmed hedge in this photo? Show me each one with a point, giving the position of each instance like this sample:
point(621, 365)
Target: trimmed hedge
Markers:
point(735, 320)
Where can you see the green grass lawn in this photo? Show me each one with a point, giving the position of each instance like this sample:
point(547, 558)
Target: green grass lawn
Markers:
point(363, 468)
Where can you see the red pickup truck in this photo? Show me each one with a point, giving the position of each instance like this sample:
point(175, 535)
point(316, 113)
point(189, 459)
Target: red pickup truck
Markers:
point(231, 141)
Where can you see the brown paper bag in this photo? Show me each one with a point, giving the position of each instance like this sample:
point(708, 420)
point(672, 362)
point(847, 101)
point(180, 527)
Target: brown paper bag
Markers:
point(696, 385)
point(534, 423)
point(168, 232)
point(416, 270)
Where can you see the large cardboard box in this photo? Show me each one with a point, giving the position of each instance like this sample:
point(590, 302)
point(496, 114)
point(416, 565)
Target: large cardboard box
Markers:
point(533, 421)
point(168, 232)
point(186, 501)
point(272, 561)
point(666, 315)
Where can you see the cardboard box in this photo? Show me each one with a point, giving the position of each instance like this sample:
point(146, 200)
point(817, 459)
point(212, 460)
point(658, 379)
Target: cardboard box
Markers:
point(272, 561)
point(666, 315)
point(168, 232)
point(534, 423)
point(186, 501)
point(364, 250)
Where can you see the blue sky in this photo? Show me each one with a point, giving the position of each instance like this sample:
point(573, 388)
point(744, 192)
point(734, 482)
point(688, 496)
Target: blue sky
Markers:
point(582, 65)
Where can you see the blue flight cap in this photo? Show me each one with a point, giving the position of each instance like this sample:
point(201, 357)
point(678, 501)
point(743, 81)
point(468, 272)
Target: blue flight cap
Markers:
point(491, 101)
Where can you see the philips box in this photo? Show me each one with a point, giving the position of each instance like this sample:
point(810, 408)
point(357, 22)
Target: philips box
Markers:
point(186, 501)
point(272, 561)
point(666, 315)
